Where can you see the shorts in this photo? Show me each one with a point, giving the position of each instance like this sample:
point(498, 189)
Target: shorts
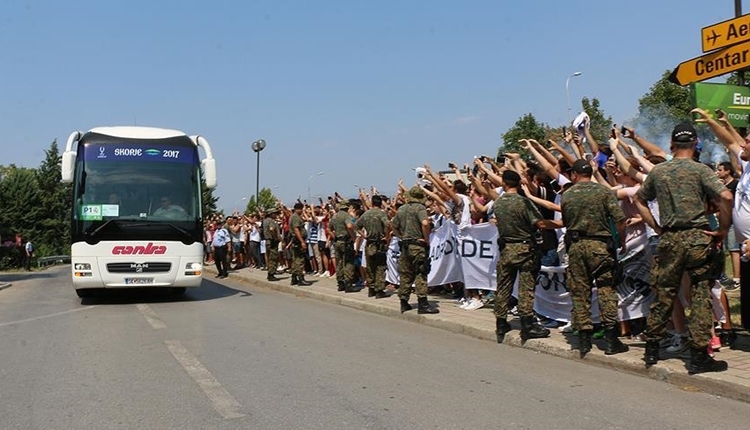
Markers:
point(324, 250)
point(730, 243)
point(237, 247)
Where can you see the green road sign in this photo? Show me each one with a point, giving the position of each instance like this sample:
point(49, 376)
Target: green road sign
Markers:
point(732, 99)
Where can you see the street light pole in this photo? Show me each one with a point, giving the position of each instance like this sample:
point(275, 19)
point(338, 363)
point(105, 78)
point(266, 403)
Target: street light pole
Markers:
point(308, 185)
point(567, 92)
point(258, 146)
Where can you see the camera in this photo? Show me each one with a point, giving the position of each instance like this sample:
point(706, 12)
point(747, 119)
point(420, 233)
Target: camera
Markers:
point(451, 166)
point(500, 159)
point(624, 131)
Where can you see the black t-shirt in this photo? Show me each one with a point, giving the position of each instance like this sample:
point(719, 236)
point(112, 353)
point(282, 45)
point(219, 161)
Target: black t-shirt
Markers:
point(732, 186)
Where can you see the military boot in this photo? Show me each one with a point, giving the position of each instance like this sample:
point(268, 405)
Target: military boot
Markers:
point(295, 281)
point(651, 355)
point(614, 345)
point(302, 282)
point(370, 292)
point(584, 342)
point(405, 306)
point(531, 329)
point(701, 362)
point(271, 278)
point(381, 294)
point(342, 286)
point(423, 307)
point(501, 327)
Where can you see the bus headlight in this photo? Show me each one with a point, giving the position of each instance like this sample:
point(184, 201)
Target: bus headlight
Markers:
point(193, 269)
point(82, 270)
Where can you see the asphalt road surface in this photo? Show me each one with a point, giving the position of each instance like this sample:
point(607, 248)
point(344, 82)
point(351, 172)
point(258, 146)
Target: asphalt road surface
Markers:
point(228, 355)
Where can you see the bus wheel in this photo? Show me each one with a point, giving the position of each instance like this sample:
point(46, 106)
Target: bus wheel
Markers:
point(85, 292)
point(178, 290)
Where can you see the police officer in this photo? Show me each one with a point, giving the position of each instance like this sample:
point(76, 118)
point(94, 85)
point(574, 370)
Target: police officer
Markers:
point(299, 246)
point(273, 237)
point(344, 235)
point(220, 241)
point(375, 225)
point(587, 210)
point(684, 189)
point(413, 227)
point(520, 255)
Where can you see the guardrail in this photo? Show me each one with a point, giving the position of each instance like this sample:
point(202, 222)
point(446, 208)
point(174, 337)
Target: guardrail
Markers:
point(53, 259)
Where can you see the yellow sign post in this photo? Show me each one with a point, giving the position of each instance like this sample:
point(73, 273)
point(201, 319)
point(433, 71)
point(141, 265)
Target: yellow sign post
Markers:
point(725, 33)
point(711, 65)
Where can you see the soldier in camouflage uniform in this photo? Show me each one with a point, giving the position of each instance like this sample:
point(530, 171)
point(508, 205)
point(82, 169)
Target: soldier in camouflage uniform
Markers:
point(375, 224)
point(517, 221)
point(587, 210)
point(343, 235)
point(684, 189)
point(299, 246)
point(413, 227)
point(272, 236)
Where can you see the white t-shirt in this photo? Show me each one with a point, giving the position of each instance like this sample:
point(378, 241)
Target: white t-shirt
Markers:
point(741, 211)
point(255, 233)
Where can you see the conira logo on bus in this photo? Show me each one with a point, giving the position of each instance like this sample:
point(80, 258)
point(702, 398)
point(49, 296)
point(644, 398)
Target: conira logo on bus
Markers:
point(149, 249)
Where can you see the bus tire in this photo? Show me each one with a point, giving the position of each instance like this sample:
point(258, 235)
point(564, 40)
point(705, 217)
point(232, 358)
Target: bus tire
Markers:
point(178, 290)
point(84, 292)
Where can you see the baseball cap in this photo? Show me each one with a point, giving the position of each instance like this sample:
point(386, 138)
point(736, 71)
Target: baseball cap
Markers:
point(582, 167)
point(684, 132)
point(511, 176)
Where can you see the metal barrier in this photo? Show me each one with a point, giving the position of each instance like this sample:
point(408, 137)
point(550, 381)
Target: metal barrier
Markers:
point(53, 259)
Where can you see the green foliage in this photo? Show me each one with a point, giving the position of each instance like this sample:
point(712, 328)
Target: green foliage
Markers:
point(527, 127)
point(208, 200)
point(600, 124)
point(265, 197)
point(36, 205)
point(54, 233)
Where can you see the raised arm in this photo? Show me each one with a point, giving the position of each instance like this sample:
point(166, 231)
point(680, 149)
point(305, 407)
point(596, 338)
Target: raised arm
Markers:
point(648, 147)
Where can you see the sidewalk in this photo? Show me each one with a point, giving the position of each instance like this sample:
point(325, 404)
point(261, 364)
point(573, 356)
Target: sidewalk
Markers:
point(734, 383)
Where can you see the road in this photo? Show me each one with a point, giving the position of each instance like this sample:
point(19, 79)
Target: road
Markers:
point(229, 355)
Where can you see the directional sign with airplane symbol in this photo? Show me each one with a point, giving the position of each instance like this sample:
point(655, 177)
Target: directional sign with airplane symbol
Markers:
point(725, 33)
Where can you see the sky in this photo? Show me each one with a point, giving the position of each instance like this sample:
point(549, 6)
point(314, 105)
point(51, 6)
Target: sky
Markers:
point(362, 91)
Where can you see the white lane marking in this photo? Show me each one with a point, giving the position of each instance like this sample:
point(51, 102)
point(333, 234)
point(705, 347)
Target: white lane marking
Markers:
point(150, 316)
point(222, 401)
point(57, 314)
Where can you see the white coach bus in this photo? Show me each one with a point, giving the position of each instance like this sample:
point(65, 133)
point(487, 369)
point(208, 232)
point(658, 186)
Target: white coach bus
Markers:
point(136, 218)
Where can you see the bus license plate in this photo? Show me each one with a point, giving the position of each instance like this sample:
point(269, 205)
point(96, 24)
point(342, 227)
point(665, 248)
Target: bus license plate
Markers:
point(139, 281)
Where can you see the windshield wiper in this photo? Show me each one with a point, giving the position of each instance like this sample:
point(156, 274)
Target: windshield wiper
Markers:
point(101, 227)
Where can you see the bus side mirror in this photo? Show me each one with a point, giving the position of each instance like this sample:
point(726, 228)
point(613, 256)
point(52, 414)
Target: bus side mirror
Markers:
point(68, 164)
point(209, 172)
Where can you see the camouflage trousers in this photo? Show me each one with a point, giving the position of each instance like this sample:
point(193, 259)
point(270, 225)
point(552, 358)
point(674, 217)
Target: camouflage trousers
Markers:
point(516, 259)
point(272, 254)
point(683, 251)
point(590, 262)
point(298, 260)
point(413, 268)
point(376, 265)
point(344, 252)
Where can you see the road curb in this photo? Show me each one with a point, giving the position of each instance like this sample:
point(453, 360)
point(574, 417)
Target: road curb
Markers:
point(660, 372)
point(5, 285)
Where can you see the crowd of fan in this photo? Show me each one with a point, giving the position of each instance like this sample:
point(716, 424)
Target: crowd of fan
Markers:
point(466, 195)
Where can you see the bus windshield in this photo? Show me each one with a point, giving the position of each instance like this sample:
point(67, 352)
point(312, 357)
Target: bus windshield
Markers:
point(137, 190)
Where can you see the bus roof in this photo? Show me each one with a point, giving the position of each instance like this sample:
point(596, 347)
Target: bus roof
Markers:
point(133, 132)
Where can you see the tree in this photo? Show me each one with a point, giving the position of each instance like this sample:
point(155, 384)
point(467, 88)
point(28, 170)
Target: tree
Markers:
point(600, 124)
point(527, 127)
point(265, 197)
point(208, 199)
point(53, 237)
point(661, 108)
point(21, 209)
